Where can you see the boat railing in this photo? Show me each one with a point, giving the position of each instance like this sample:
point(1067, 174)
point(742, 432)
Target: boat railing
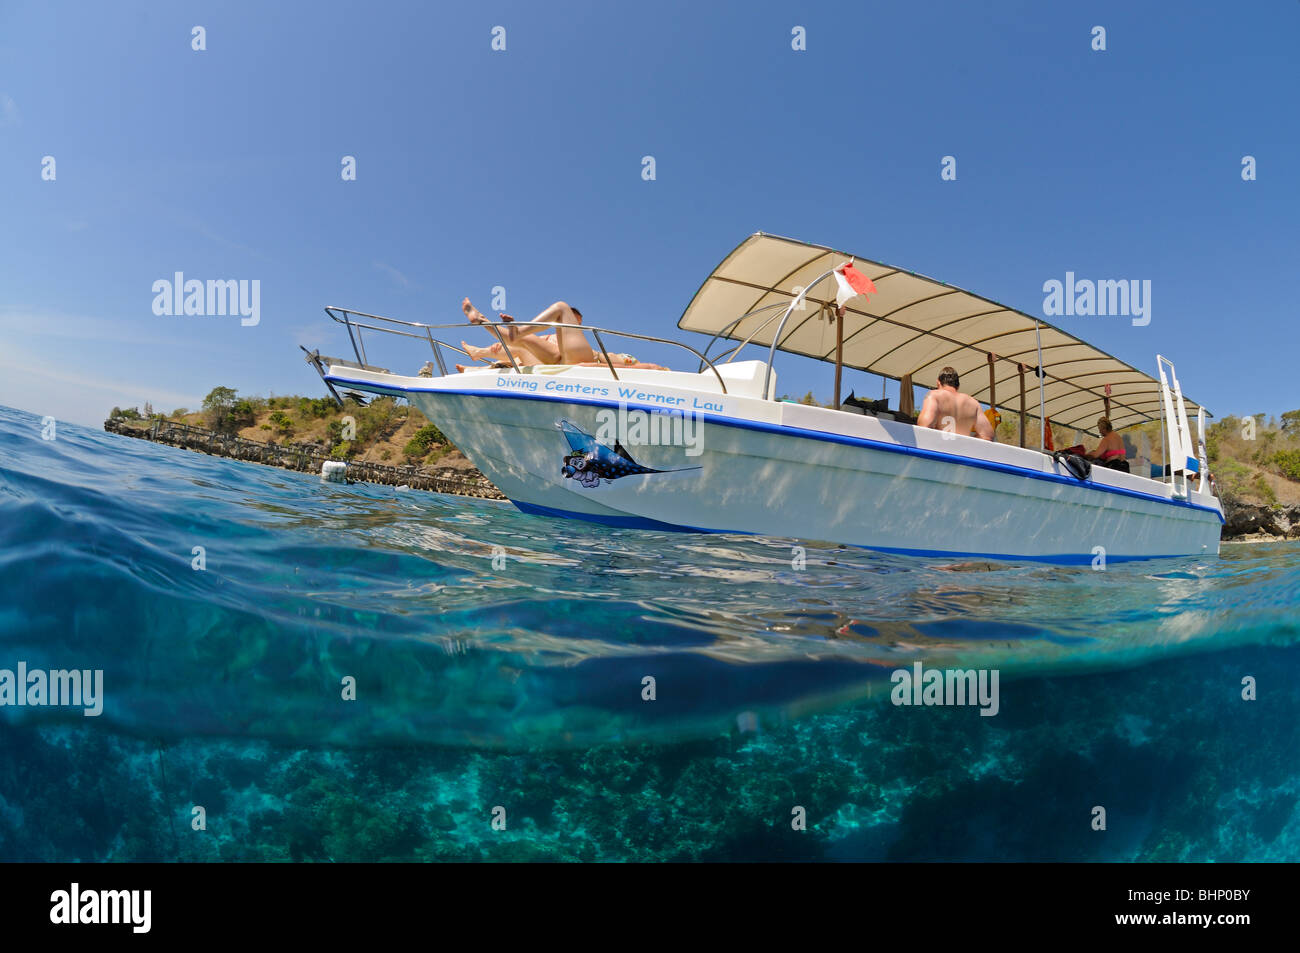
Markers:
point(731, 353)
point(782, 309)
point(356, 324)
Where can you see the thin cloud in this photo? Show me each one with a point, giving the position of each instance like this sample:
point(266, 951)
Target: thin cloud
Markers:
point(72, 394)
point(208, 233)
point(17, 323)
point(313, 336)
point(399, 279)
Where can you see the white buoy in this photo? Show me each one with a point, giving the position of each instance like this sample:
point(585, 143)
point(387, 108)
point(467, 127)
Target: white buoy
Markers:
point(335, 471)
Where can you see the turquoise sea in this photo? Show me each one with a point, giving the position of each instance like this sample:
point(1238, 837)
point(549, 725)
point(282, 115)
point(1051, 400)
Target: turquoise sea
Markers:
point(501, 665)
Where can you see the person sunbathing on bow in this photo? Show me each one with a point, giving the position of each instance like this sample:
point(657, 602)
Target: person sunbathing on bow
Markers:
point(565, 345)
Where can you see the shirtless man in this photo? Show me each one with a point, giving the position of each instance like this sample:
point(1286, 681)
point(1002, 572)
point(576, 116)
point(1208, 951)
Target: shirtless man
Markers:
point(947, 408)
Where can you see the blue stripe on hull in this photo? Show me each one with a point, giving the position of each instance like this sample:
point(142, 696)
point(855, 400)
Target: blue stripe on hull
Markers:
point(641, 522)
point(622, 522)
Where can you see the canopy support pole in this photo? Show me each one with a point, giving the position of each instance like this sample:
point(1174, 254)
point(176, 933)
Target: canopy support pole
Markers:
point(1042, 416)
point(993, 385)
point(1022, 403)
point(839, 353)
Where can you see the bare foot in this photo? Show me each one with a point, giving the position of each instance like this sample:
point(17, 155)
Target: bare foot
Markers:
point(474, 314)
point(478, 353)
point(506, 318)
point(461, 368)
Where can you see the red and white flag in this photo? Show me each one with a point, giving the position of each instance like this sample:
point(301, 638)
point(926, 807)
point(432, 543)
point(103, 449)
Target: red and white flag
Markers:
point(851, 283)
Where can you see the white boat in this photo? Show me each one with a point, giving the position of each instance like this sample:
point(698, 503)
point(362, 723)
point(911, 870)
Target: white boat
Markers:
point(712, 448)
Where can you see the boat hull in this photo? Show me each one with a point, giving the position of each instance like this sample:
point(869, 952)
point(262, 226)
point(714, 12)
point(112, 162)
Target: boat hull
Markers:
point(754, 476)
point(765, 467)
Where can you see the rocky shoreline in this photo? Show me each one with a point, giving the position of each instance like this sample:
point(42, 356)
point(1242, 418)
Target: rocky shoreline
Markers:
point(1259, 522)
point(307, 458)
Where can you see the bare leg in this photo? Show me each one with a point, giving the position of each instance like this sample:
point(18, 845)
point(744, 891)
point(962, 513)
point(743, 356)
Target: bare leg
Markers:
point(538, 350)
point(524, 351)
point(481, 353)
point(571, 343)
point(543, 347)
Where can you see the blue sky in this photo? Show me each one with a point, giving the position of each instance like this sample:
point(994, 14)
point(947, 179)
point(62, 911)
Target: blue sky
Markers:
point(522, 168)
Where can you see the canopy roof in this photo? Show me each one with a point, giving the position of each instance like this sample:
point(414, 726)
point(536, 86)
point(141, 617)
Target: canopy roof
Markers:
point(916, 325)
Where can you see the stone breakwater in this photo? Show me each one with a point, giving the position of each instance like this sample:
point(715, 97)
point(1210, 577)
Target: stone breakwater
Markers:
point(307, 458)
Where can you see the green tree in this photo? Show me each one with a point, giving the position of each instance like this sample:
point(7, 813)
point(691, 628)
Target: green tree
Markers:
point(378, 419)
point(1288, 463)
point(309, 407)
point(424, 440)
point(218, 406)
point(243, 414)
point(283, 423)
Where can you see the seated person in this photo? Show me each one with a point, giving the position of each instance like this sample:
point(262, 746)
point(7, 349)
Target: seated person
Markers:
point(947, 408)
point(566, 345)
point(1110, 448)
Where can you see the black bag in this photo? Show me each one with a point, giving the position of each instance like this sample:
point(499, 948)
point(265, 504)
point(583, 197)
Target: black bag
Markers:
point(1080, 467)
point(860, 406)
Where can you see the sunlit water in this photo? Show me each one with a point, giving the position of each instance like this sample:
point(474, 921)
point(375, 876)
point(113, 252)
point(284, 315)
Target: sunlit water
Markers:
point(505, 660)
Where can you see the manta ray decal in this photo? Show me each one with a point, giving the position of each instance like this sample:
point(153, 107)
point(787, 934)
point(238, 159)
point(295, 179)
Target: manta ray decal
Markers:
point(589, 461)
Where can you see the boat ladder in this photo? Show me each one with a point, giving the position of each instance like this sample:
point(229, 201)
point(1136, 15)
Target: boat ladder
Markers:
point(1182, 460)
